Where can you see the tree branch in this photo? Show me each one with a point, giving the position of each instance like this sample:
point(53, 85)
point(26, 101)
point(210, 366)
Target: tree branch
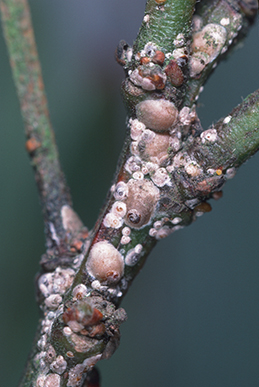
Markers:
point(168, 170)
point(59, 219)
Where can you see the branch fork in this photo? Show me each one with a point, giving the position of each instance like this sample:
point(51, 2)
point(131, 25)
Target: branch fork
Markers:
point(168, 170)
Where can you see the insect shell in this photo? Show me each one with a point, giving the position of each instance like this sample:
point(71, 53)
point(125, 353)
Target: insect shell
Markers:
point(207, 45)
point(105, 263)
point(141, 202)
point(158, 115)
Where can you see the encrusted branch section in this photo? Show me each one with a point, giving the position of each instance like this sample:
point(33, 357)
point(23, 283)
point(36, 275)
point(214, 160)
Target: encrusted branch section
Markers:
point(54, 194)
point(218, 25)
point(169, 168)
point(71, 338)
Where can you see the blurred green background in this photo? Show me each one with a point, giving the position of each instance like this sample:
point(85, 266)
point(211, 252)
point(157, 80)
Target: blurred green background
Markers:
point(193, 311)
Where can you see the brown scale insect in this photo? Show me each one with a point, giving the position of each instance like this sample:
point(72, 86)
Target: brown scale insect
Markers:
point(174, 73)
point(158, 58)
point(141, 202)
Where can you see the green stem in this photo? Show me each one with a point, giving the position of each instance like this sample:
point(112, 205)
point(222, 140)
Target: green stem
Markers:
point(162, 23)
point(40, 144)
point(238, 135)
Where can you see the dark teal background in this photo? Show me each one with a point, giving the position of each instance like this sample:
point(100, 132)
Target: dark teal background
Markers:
point(193, 311)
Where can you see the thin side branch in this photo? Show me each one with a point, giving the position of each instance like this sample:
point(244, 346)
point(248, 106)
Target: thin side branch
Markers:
point(40, 144)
